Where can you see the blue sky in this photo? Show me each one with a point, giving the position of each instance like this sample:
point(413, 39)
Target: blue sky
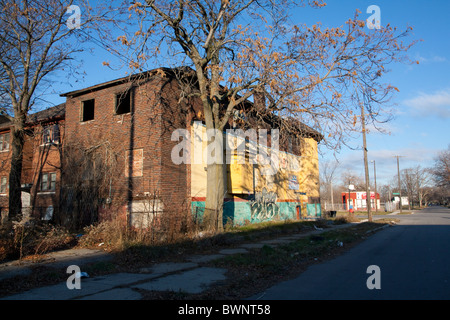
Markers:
point(422, 117)
point(421, 127)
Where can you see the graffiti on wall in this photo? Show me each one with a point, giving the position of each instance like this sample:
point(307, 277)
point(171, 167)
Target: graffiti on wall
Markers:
point(264, 206)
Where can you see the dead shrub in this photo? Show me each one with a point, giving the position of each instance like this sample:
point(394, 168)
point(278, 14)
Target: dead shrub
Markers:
point(108, 233)
point(32, 237)
point(176, 226)
point(164, 228)
point(345, 219)
point(56, 238)
point(6, 246)
point(321, 223)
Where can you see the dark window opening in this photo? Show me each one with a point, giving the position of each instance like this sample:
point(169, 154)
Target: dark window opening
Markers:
point(123, 102)
point(88, 107)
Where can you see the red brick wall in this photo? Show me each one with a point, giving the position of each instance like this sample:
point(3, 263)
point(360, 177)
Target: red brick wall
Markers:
point(43, 158)
point(37, 159)
point(155, 113)
point(5, 165)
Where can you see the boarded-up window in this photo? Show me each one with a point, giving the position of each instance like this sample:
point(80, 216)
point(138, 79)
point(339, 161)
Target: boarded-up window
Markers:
point(134, 163)
point(144, 212)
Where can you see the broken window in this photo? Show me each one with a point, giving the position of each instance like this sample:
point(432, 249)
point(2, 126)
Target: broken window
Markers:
point(50, 135)
point(4, 142)
point(87, 110)
point(3, 185)
point(123, 102)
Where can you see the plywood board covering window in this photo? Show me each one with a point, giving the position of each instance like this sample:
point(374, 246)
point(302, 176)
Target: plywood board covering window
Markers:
point(134, 162)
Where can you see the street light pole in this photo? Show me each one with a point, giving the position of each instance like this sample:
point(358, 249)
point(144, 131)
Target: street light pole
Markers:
point(348, 200)
point(350, 187)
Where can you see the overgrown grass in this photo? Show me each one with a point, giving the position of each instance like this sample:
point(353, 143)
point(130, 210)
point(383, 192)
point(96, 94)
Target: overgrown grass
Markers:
point(270, 258)
point(141, 253)
point(258, 230)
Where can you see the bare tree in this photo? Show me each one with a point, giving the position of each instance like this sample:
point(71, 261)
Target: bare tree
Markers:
point(350, 177)
point(409, 184)
point(385, 193)
point(441, 168)
point(327, 178)
point(37, 39)
point(423, 184)
point(243, 48)
point(415, 182)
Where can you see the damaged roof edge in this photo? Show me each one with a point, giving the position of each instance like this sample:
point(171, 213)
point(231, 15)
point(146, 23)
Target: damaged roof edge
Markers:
point(163, 71)
point(303, 129)
point(53, 113)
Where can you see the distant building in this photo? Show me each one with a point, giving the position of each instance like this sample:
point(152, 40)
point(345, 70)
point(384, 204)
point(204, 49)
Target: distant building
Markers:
point(358, 200)
point(396, 199)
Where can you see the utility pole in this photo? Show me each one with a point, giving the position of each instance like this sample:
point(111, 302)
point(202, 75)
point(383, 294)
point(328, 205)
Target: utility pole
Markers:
point(332, 200)
point(399, 185)
point(419, 194)
point(375, 179)
point(366, 165)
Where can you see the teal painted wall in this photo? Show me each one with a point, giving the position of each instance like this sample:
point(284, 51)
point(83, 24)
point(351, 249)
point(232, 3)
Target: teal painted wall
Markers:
point(239, 212)
point(314, 210)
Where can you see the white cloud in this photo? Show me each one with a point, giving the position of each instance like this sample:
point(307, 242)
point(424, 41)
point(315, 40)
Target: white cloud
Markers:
point(436, 104)
point(431, 59)
point(439, 59)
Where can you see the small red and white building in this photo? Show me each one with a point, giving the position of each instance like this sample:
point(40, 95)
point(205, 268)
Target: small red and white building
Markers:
point(358, 200)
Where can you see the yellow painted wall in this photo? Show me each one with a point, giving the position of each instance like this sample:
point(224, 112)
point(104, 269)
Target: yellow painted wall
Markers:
point(241, 177)
point(310, 167)
point(198, 171)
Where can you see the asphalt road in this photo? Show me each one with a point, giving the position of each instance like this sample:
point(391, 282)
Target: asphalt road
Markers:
point(413, 259)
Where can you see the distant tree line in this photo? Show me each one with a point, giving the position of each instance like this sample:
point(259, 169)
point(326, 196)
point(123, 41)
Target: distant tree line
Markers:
point(422, 185)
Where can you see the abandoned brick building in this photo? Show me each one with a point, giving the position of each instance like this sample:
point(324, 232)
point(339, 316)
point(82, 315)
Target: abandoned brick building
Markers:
point(107, 150)
point(41, 168)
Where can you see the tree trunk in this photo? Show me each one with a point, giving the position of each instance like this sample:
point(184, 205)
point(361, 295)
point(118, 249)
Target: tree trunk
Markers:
point(15, 175)
point(213, 218)
point(215, 185)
